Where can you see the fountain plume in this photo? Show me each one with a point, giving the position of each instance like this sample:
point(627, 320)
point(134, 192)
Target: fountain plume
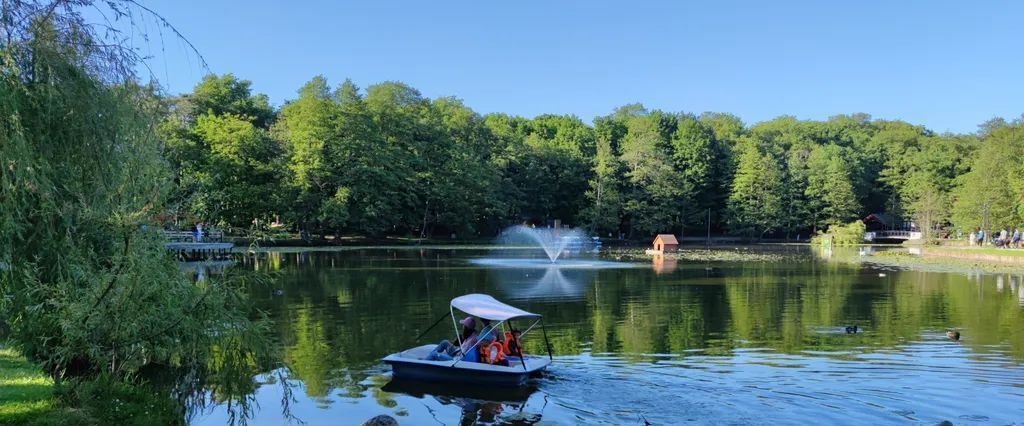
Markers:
point(554, 241)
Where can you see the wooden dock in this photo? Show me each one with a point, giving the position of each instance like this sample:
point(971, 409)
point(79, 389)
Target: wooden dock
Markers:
point(200, 251)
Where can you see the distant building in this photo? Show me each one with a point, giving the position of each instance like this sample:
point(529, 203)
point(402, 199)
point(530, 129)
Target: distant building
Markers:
point(665, 243)
point(884, 222)
point(879, 222)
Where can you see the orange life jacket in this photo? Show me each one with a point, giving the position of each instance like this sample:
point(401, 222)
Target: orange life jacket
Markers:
point(493, 353)
point(512, 346)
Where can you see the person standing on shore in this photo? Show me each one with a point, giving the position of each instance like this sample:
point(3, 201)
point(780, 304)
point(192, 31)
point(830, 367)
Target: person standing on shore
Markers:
point(972, 239)
point(1015, 240)
point(981, 237)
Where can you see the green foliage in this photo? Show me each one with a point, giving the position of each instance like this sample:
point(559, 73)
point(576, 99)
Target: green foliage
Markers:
point(227, 166)
point(393, 162)
point(989, 195)
point(89, 289)
point(227, 95)
point(389, 161)
point(604, 212)
point(830, 192)
point(756, 204)
point(850, 234)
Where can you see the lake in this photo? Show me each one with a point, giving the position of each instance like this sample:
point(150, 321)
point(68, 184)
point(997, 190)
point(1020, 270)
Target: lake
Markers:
point(665, 342)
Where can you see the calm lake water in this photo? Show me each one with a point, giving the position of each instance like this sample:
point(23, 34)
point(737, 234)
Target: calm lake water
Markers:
point(669, 343)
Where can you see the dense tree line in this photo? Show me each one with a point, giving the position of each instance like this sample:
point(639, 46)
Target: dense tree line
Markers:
point(387, 161)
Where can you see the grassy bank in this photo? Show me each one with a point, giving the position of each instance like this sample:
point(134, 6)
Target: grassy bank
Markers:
point(942, 262)
point(26, 394)
point(1014, 254)
point(28, 397)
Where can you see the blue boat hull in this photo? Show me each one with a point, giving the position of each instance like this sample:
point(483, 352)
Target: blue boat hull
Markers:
point(430, 373)
point(410, 365)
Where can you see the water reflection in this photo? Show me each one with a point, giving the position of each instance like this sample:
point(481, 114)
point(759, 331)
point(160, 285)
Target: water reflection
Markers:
point(551, 282)
point(747, 342)
point(477, 404)
point(662, 265)
point(200, 270)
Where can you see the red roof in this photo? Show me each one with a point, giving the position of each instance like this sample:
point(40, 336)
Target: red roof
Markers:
point(666, 239)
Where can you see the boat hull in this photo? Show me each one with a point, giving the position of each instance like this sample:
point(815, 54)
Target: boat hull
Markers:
point(409, 365)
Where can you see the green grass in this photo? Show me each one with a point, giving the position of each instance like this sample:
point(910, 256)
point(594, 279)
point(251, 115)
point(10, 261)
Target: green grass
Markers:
point(28, 397)
point(26, 394)
point(985, 250)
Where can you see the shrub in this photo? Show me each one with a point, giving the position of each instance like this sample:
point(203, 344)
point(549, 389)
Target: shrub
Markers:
point(850, 234)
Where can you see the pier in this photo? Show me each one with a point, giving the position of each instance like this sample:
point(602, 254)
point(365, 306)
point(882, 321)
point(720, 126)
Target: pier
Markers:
point(184, 245)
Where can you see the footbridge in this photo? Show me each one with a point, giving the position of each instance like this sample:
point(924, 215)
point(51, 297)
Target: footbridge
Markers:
point(892, 235)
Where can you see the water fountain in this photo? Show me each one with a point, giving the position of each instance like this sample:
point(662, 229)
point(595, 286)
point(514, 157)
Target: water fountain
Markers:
point(561, 248)
point(554, 241)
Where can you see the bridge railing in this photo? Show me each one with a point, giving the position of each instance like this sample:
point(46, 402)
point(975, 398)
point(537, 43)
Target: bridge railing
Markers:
point(892, 234)
point(190, 236)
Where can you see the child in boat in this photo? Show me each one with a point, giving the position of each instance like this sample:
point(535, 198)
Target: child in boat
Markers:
point(446, 351)
point(512, 343)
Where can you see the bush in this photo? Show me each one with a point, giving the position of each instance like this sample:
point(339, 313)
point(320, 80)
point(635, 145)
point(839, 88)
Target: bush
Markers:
point(850, 234)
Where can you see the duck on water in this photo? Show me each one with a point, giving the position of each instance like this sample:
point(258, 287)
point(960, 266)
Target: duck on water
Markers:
point(493, 355)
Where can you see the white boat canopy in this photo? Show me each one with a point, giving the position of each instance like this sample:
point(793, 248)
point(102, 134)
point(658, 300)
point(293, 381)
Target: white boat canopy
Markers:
point(487, 307)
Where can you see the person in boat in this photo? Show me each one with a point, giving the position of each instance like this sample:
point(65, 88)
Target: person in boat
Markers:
point(446, 350)
point(486, 331)
point(512, 343)
point(490, 350)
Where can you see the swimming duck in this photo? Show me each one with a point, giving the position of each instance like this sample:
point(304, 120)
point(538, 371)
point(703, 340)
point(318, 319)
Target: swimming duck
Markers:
point(952, 334)
point(851, 329)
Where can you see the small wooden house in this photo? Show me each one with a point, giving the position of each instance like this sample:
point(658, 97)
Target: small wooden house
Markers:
point(665, 243)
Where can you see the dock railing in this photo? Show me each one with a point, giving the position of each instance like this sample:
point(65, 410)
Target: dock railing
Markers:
point(190, 236)
point(892, 235)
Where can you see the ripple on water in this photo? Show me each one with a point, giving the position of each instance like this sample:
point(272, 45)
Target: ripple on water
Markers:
point(881, 388)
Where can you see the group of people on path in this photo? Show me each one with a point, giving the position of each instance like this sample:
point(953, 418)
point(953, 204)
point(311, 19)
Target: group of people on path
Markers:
point(478, 346)
point(1002, 239)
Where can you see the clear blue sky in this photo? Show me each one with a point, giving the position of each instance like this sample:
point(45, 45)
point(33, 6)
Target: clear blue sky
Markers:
point(945, 64)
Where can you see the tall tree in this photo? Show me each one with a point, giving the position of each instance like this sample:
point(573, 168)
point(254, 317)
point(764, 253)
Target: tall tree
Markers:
point(695, 155)
point(830, 190)
point(988, 196)
point(307, 126)
point(239, 179)
point(374, 173)
point(756, 203)
point(657, 194)
point(603, 215)
point(227, 167)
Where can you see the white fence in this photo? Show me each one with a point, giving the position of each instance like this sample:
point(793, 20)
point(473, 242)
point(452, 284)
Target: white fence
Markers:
point(892, 235)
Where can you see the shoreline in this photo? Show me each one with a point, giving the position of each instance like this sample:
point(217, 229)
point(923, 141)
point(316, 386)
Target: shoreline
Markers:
point(980, 254)
point(950, 259)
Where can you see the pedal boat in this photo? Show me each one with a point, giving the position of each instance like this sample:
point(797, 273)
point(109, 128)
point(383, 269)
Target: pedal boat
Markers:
point(411, 364)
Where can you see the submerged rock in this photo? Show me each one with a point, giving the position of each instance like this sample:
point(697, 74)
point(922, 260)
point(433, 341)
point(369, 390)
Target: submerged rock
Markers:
point(381, 420)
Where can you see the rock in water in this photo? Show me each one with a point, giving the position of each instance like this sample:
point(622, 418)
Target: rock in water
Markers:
point(381, 420)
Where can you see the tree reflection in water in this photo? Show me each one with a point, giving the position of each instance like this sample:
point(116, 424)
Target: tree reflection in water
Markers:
point(341, 312)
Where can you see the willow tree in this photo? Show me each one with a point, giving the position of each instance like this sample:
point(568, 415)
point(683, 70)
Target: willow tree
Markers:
point(90, 289)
